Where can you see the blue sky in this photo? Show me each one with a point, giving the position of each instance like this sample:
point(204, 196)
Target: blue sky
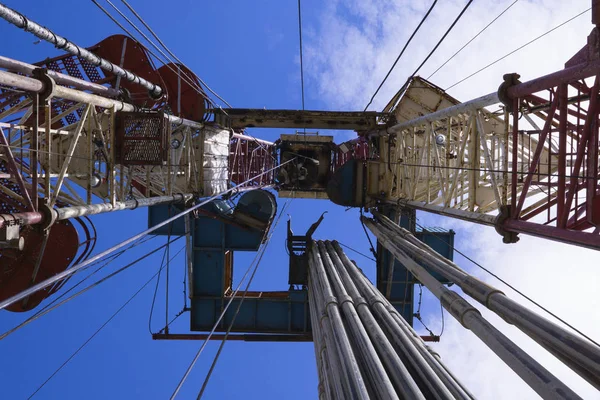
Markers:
point(248, 53)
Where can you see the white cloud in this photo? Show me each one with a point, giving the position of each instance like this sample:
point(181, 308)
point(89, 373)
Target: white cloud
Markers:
point(347, 54)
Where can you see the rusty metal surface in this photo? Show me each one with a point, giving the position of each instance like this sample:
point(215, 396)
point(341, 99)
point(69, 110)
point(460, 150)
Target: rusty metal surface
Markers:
point(16, 267)
point(239, 118)
point(141, 138)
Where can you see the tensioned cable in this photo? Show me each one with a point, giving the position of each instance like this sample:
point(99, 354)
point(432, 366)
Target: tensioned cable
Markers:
point(216, 358)
point(61, 275)
point(357, 252)
point(82, 291)
point(97, 331)
point(511, 286)
point(301, 61)
point(400, 55)
point(517, 49)
point(178, 72)
point(170, 52)
point(436, 46)
point(473, 38)
point(214, 328)
point(53, 304)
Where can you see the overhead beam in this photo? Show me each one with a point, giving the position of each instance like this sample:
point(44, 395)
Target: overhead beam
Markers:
point(239, 118)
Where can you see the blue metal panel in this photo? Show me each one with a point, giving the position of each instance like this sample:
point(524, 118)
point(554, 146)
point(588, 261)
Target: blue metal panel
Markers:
point(208, 272)
point(159, 213)
point(402, 286)
point(256, 315)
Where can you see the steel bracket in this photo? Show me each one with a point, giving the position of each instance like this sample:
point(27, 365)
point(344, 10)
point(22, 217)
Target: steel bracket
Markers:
point(41, 74)
point(507, 237)
point(509, 80)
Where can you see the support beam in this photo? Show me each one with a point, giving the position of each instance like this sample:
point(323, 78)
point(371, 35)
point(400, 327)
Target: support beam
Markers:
point(60, 42)
point(239, 118)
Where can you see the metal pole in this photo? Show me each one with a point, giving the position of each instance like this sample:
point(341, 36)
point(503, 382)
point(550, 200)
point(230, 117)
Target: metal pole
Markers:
point(574, 351)
point(37, 86)
point(532, 372)
point(27, 69)
point(60, 42)
point(350, 367)
point(433, 378)
point(31, 218)
point(341, 385)
point(461, 108)
point(62, 275)
point(375, 373)
point(404, 383)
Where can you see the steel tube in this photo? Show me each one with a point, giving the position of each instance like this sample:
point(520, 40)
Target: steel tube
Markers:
point(403, 382)
point(60, 42)
point(376, 374)
point(27, 69)
point(461, 108)
point(92, 209)
point(323, 353)
point(563, 76)
point(341, 384)
point(37, 86)
point(479, 218)
point(574, 351)
point(350, 366)
point(534, 374)
point(433, 378)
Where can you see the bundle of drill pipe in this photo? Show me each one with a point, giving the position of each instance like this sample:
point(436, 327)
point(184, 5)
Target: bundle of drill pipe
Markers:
point(576, 352)
point(364, 347)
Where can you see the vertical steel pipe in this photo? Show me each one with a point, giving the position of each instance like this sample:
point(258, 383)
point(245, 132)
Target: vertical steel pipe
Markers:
point(403, 382)
point(376, 375)
point(533, 373)
point(576, 352)
point(350, 370)
point(432, 377)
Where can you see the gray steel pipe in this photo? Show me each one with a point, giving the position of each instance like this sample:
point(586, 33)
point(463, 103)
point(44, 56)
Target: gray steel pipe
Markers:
point(92, 209)
point(376, 373)
point(60, 42)
point(350, 368)
point(461, 108)
point(323, 370)
point(403, 382)
point(37, 86)
point(410, 346)
point(27, 69)
point(576, 352)
point(532, 372)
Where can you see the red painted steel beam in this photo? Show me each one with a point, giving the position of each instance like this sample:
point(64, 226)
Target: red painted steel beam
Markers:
point(564, 76)
point(584, 239)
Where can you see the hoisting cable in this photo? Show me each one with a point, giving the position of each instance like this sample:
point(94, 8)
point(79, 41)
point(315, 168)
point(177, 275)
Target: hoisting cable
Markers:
point(98, 330)
point(357, 252)
point(170, 52)
point(214, 328)
point(61, 275)
point(162, 264)
point(53, 306)
point(473, 38)
point(367, 234)
point(512, 287)
point(185, 78)
point(301, 60)
point(518, 48)
point(216, 358)
point(400, 55)
point(41, 311)
point(436, 46)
